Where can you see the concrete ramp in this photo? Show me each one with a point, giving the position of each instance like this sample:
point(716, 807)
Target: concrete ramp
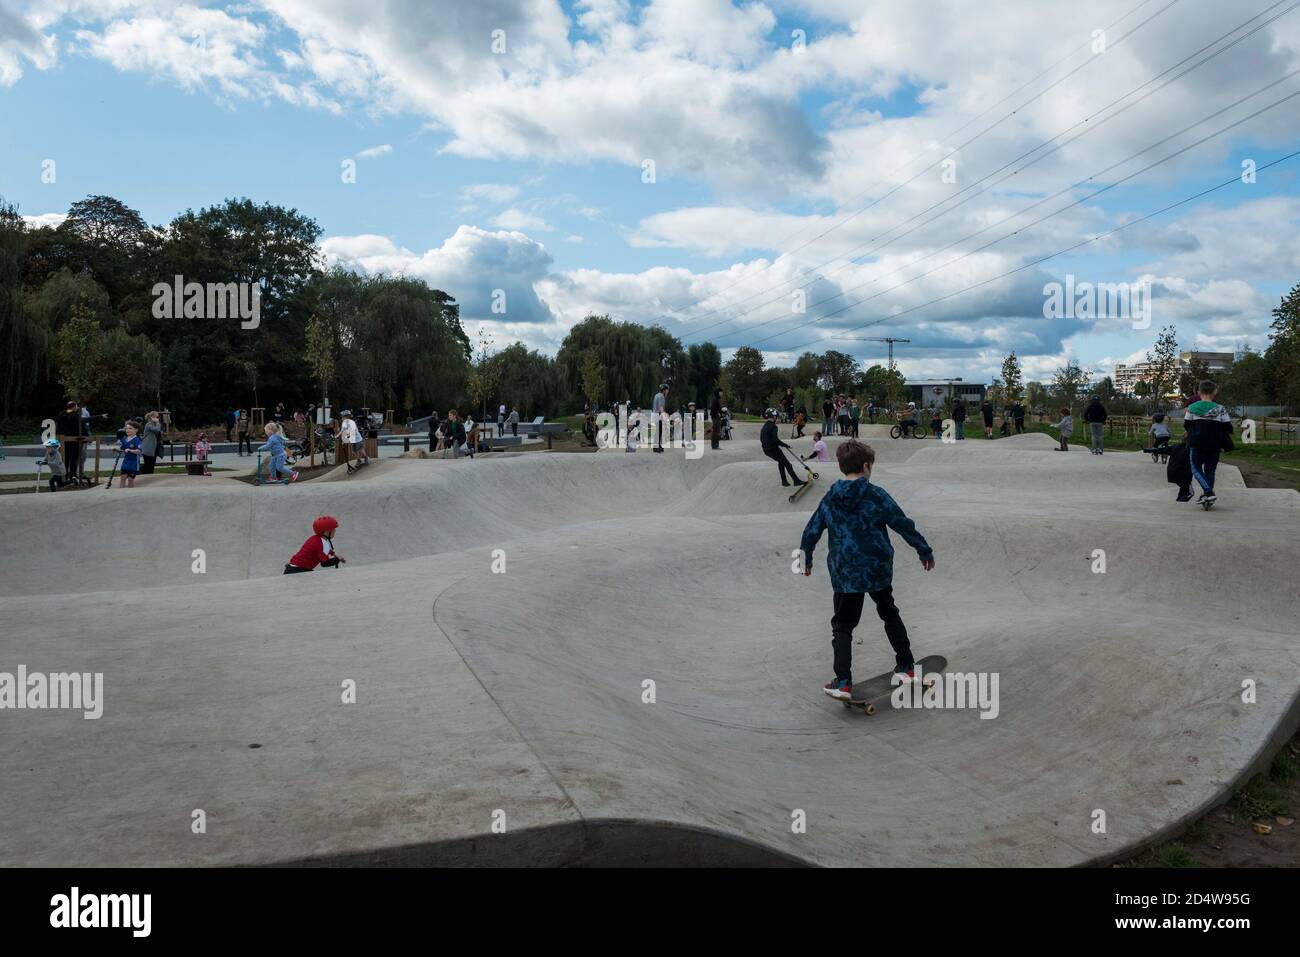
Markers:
point(641, 680)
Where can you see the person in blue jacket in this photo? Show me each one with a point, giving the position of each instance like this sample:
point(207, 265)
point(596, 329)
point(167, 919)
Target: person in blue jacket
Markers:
point(858, 514)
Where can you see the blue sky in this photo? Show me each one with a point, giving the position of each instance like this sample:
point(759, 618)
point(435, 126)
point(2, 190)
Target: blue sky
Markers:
point(524, 171)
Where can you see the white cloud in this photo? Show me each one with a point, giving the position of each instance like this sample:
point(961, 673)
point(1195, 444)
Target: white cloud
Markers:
point(517, 219)
point(21, 40)
point(44, 219)
point(471, 265)
point(492, 192)
point(376, 151)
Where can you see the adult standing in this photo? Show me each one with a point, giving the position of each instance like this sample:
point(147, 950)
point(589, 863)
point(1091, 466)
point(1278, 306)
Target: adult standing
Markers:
point(660, 404)
point(959, 418)
point(855, 416)
point(501, 420)
point(872, 411)
point(514, 421)
point(1095, 416)
point(151, 442)
point(828, 415)
point(242, 428)
point(715, 413)
point(434, 430)
point(1018, 416)
point(986, 412)
point(68, 425)
point(278, 415)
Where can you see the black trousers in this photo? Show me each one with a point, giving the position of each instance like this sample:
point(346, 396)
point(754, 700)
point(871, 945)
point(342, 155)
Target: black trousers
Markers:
point(848, 612)
point(72, 458)
point(244, 440)
point(784, 464)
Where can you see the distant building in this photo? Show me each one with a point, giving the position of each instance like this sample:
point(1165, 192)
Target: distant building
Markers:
point(1127, 377)
point(934, 393)
point(1213, 361)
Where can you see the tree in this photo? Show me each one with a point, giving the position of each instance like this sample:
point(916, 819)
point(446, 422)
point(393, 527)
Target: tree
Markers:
point(483, 374)
point(1037, 396)
point(1163, 363)
point(706, 370)
point(741, 377)
point(1068, 381)
point(837, 372)
point(78, 352)
point(1283, 353)
point(1011, 375)
point(103, 220)
point(593, 378)
point(25, 340)
point(318, 351)
point(1189, 379)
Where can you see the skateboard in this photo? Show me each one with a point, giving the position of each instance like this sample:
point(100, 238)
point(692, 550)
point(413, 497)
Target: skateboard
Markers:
point(1206, 504)
point(867, 694)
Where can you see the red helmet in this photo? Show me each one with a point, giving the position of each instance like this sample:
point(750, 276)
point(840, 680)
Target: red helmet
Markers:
point(325, 525)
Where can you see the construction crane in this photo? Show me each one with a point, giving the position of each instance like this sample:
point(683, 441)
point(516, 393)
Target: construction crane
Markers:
point(889, 339)
point(891, 397)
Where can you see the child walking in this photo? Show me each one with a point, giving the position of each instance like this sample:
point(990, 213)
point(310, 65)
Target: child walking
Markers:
point(1209, 432)
point(1066, 425)
point(129, 446)
point(317, 550)
point(860, 559)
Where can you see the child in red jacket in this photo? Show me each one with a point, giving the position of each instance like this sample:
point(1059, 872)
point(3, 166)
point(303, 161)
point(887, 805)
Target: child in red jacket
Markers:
point(317, 550)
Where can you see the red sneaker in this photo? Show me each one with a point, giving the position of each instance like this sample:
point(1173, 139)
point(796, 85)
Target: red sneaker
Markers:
point(839, 688)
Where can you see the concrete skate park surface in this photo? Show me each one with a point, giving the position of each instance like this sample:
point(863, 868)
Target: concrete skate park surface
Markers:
point(517, 698)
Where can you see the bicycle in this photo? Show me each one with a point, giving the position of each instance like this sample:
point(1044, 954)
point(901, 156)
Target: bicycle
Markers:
point(917, 431)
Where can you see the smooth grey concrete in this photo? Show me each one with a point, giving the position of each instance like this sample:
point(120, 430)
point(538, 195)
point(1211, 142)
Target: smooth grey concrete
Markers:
point(522, 693)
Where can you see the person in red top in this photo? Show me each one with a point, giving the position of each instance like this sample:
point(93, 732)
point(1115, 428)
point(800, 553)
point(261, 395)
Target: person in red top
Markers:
point(317, 550)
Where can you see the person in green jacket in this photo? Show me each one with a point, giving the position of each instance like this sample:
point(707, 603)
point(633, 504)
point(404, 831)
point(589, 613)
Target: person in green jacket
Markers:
point(855, 416)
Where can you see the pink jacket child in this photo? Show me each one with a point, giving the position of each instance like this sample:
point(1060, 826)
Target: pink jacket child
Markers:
point(203, 449)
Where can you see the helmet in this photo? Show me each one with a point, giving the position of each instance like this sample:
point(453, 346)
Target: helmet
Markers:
point(325, 525)
point(51, 443)
point(724, 410)
point(346, 412)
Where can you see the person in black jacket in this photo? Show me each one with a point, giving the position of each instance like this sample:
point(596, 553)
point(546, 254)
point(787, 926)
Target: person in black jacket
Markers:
point(715, 413)
point(68, 425)
point(986, 410)
point(1095, 416)
point(1018, 416)
point(1179, 471)
point(959, 418)
point(772, 446)
point(1209, 432)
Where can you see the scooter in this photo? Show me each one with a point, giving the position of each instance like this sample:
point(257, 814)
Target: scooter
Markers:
point(257, 476)
point(113, 473)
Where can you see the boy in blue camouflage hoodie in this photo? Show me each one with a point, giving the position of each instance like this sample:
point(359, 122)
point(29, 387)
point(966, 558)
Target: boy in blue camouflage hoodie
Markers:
point(860, 559)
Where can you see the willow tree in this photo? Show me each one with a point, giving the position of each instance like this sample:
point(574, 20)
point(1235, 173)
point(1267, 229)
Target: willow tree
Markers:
point(24, 340)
